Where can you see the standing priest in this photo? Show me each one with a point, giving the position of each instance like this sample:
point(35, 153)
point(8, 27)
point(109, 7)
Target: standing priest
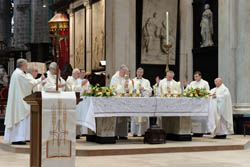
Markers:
point(221, 111)
point(75, 83)
point(168, 85)
point(119, 84)
point(140, 124)
point(17, 118)
point(50, 84)
point(199, 124)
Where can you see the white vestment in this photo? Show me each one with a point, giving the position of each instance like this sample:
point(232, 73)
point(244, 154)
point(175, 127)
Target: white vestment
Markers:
point(199, 84)
point(51, 83)
point(165, 84)
point(222, 111)
point(139, 125)
point(158, 90)
point(121, 122)
point(38, 87)
point(17, 116)
point(73, 84)
point(199, 124)
point(118, 82)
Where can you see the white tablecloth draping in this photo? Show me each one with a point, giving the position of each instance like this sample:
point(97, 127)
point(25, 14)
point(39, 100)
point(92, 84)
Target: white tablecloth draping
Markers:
point(58, 129)
point(92, 107)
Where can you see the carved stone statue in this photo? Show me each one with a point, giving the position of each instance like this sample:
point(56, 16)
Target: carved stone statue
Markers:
point(207, 27)
point(149, 32)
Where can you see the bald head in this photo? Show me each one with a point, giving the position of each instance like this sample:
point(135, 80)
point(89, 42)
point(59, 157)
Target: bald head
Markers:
point(218, 82)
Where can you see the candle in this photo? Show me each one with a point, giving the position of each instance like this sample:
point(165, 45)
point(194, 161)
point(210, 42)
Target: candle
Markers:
point(179, 87)
point(167, 27)
point(73, 87)
point(171, 87)
point(130, 87)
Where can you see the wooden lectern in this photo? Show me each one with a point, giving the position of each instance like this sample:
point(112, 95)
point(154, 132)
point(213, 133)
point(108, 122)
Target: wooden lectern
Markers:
point(35, 101)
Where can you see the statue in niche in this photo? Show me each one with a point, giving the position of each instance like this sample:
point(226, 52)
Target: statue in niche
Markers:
point(207, 27)
point(163, 37)
point(149, 31)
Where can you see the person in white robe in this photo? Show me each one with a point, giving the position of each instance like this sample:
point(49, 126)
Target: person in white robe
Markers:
point(50, 84)
point(75, 83)
point(140, 124)
point(199, 124)
point(17, 118)
point(198, 82)
point(157, 90)
point(32, 73)
point(168, 85)
point(119, 84)
point(222, 111)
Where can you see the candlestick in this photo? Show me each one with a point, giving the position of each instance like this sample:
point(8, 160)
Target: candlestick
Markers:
point(167, 28)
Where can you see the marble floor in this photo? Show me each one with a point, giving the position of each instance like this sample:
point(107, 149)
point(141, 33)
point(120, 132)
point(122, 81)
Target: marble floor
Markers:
point(194, 159)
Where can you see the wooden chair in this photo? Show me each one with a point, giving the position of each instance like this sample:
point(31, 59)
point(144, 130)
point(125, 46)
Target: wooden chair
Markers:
point(246, 124)
point(3, 99)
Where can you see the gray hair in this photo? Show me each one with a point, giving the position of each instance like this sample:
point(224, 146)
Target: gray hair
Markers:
point(140, 69)
point(75, 70)
point(21, 62)
point(123, 67)
point(31, 69)
point(53, 65)
point(170, 72)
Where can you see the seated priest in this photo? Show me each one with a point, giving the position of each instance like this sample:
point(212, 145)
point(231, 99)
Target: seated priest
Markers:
point(168, 85)
point(50, 84)
point(32, 73)
point(199, 124)
point(17, 118)
point(221, 110)
point(140, 124)
point(75, 83)
point(119, 83)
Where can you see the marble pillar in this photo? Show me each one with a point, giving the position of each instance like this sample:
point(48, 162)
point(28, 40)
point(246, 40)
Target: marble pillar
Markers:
point(120, 36)
point(234, 35)
point(186, 40)
point(72, 38)
point(88, 36)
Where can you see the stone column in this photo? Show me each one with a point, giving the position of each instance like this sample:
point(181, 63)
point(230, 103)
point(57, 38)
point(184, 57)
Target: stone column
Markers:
point(186, 40)
point(234, 50)
point(88, 36)
point(120, 36)
point(72, 37)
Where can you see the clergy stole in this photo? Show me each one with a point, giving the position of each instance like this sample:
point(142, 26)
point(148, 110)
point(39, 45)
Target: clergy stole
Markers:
point(58, 129)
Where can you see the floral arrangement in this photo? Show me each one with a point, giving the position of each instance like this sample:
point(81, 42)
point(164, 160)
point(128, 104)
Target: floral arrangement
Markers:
point(197, 93)
point(98, 91)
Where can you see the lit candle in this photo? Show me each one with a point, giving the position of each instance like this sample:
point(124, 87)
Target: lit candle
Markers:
point(73, 87)
point(167, 27)
point(38, 87)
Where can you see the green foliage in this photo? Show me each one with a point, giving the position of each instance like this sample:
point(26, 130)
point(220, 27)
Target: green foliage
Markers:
point(196, 93)
point(98, 91)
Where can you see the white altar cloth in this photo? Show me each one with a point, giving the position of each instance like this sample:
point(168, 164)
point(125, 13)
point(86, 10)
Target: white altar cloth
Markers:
point(58, 129)
point(92, 107)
